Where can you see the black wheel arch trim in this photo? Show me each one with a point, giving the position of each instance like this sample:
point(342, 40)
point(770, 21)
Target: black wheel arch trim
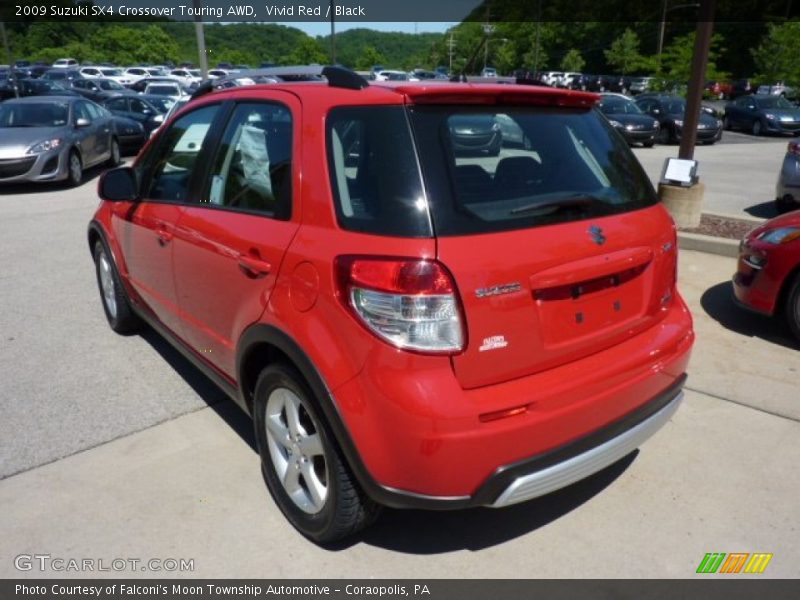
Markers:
point(267, 334)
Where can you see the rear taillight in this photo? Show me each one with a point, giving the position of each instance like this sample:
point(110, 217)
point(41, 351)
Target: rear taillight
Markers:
point(409, 303)
point(793, 148)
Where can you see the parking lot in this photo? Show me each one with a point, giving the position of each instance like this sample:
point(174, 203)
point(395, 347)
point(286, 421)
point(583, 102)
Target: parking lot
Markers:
point(116, 447)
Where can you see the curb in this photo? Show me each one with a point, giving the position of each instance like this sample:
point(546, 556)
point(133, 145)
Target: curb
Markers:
point(737, 217)
point(708, 244)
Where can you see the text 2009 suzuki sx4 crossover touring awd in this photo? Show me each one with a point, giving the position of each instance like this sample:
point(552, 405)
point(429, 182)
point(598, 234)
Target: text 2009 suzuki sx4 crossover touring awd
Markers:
point(411, 320)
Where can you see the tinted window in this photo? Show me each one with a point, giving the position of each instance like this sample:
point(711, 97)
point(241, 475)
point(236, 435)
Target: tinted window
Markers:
point(253, 168)
point(176, 155)
point(375, 174)
point(118, 104)
point(140, 107)
point(82, 111)
point(560, 165)
point(50, 114)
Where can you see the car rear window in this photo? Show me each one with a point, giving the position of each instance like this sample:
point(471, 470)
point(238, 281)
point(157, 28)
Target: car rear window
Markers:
point(375, 174)
point(517, 167)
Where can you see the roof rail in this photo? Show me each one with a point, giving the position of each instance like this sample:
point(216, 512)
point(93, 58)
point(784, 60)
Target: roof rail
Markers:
point(344, 78)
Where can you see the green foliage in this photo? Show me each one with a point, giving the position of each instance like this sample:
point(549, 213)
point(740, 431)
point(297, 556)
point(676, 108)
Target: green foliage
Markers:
point(676, 60)
point(572, 61)
point(306, 51)
point(624, 54)
point(369, 58)
point(776, 57)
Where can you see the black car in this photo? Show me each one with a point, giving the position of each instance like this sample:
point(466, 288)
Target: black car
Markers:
point(620, 84)
point(63, 76)
point(669, 110)
point(760, 114)
point(131, 135)
point(742, 87)
point(99, 90)
point(32, 87)
point(629, 120)
point(140, 109)
point(475, 134)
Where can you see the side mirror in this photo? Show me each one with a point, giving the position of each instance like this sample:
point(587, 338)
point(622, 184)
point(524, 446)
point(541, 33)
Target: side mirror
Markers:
point(656, 111)
point(118, 185)
point(82, 122)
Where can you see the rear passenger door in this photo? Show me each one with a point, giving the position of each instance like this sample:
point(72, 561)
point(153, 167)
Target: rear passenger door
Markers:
point(230, 243)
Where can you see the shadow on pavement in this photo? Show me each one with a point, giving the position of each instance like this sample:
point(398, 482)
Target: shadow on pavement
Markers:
point(765, 210)
point(32, 187)
point(435, 532)
point(718, 303)
point(216, 399)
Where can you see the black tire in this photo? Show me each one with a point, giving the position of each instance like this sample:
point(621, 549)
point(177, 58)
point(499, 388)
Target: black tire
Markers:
point(116, 153)
point(648, 144)
point(664, 137)
point(757, 128)
point(792, 307)
point(74, 169)
point(726, 124)
point(784, 204)
point(344, 508)
point(116, 305)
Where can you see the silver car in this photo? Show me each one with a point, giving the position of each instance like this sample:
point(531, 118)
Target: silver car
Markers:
point(787, 190)
point(54, 138)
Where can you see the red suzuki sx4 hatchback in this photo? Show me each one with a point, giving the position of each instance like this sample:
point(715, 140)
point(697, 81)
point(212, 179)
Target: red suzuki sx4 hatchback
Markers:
point(426, 295)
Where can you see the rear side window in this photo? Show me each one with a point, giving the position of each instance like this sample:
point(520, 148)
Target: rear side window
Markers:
point(495, 170)
point(375, 173)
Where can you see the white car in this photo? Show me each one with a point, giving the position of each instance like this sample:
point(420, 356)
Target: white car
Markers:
point(552, 77)
point(186, 76)
point(566, 78)
point(489, 72)
point(65, 63)
point(391, 75)
point(106, 73)
point(217, 73)
point(164, 88)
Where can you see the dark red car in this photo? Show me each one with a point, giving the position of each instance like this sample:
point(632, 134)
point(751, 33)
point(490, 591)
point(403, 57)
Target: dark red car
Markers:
point(768, 276)
point(409, 324)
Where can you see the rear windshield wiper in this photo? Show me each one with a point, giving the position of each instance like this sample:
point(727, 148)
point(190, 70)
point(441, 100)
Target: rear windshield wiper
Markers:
point(566, 202)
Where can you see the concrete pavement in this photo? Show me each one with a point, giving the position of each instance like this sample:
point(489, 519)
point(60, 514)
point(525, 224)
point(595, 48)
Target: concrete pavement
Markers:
point(740, 173)
point(720, 477)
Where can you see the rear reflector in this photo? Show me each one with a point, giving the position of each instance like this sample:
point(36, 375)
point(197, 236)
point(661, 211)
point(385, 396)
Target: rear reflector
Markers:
point(793, 148)
point(503, 414)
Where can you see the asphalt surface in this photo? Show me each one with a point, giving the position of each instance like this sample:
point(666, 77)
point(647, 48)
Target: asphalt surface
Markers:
point(156, 463)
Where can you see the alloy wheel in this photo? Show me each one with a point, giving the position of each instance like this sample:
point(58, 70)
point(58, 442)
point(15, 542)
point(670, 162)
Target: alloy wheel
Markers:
point(296, 450)
point(107, 285)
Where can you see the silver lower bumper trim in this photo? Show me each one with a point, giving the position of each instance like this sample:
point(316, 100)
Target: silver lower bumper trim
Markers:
point(579, 467)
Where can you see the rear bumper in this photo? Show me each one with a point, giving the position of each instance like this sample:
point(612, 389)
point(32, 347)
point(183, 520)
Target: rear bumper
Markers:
point(425, 443)
point(576, 461)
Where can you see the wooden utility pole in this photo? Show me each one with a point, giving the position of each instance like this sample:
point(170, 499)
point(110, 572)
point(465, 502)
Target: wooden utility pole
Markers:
point(201, 40)
point(694, 95)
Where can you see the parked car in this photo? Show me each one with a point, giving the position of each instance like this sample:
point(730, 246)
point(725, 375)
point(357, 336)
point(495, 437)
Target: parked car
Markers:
point(99, 90)
point(144, 110)
point(54, 139)
point(405, 339)
point(168, 90)
point(640, 85)
point(787, 190)
point(776, 89)
point(552, 78)
point(742, 87)
point(767, 278)
point(187, 77)
point(627, 118)
point(64, 76)
point(762, 114)
point(65, 63)
point(669, 111)
point(619, 84)
point(33, 87)
point(130, 134)
point(489, 72)
point(141, 85)
point(117, 75)
point(475, 134)
point(718, 89)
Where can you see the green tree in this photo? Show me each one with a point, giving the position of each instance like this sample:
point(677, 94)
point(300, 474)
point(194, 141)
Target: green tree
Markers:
point(676, 60)
point(306, 51)
point(369, 58)
point(776, 56)
point(573, 61)
point(624, 54)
